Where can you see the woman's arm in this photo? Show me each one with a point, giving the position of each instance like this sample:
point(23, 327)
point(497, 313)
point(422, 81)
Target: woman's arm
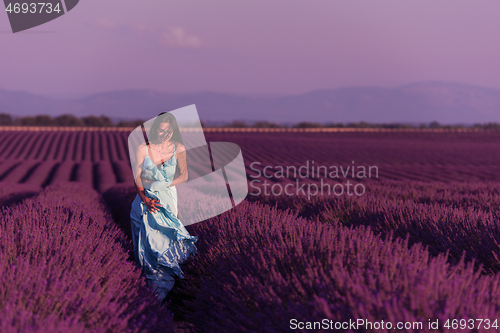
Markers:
point(182, 164)
point(140, 156)
point(139, 160)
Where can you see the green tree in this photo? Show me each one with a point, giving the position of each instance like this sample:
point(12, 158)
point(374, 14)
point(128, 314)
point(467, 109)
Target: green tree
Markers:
point(334, 125)
point(130, 123)
point(306, 124)
point(265, 124)
point(434, 124)
point(491, 126)
point(237, 123)
point(68, 120)
point(5, 119)
point(39, 120)
point(101, 121)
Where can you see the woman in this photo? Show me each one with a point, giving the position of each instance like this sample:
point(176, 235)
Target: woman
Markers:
point(160, 240)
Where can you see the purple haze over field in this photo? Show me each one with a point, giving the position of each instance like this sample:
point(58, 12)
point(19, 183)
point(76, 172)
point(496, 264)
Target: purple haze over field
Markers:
point(253, 47)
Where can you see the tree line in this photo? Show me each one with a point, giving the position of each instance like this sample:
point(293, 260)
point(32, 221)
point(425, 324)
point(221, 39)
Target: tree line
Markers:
point(65, 120)
point(361, 124)
point(68, 120)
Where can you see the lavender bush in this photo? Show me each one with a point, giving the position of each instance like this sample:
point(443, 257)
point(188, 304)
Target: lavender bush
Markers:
point(62, 146)
point(119, 199)
point(11, 193)
point(103, 140)
point(6, 167)
point(22, 171)
point(87, 146)
point(238, 281)
point(404, 251)
point(426, 212)
point(42, 174)
point(105, 176)
point(431, 157)
point(64, 269)
point(123, 171)
point(263, 267)
point(63, 172)
point(85, 173)
point(44, 144)
point(122, 145)
point(54, 145)
point(80, 150)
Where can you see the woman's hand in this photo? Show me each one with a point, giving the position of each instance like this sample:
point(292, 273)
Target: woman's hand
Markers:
point(152, 204)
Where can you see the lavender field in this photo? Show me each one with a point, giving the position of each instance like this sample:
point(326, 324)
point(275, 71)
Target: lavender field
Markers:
point(420, 244)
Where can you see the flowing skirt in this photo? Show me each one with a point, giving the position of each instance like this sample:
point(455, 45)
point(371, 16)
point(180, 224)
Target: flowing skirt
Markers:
point(160, 240)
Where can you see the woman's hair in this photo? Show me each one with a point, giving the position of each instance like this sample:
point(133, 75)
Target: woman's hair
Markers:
point(165, 117)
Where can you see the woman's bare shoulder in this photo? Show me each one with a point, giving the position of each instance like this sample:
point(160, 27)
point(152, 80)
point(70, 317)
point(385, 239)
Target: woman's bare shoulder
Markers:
point(142, 150)
point(180, 148)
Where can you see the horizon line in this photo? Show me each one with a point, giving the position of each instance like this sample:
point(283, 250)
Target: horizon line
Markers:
point(242, 94)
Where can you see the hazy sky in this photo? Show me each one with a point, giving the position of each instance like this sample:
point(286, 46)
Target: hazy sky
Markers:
point(253, 46)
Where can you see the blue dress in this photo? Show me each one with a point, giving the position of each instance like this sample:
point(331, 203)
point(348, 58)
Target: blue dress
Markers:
point(160, 240)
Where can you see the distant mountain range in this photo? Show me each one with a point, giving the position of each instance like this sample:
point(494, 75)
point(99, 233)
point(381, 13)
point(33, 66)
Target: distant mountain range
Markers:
point(447, 103)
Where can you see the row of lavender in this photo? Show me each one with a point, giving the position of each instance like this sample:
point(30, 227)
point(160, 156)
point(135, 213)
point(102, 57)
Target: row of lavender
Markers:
point(416, 149)
point(100, 159)
point(99, 175)
point(97, 159)
point(64, 145)
point(398, 156)
point(460, 217)
point(264, 268)
point(65, 266)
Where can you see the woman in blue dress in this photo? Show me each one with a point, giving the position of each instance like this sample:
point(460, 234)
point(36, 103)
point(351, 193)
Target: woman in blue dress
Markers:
point(160, 240)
